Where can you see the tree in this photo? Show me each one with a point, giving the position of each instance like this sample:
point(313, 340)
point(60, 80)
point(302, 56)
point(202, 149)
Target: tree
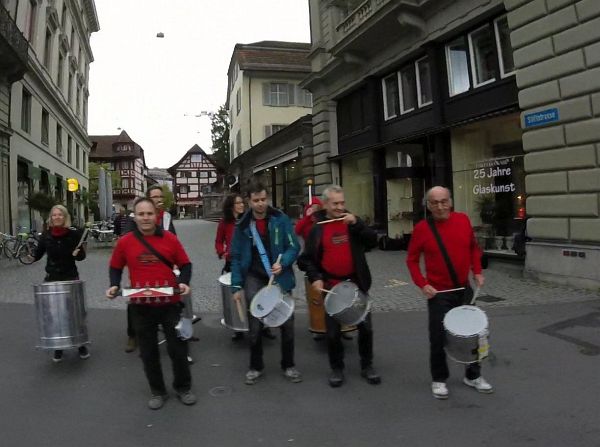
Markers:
point(219, 131)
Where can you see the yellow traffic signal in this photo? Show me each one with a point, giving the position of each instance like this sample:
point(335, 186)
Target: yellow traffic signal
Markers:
point(72, 184)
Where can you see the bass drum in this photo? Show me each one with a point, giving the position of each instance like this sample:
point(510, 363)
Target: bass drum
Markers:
point(61, 314)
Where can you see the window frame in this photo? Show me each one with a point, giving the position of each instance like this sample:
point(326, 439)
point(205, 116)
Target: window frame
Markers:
point(503, 74)
point(418, 80)
point(401, 91)
point(59, 145)
point(386, 115)
point(449, 66)
point(45, 128)
point(26, 104)
point(473, 74)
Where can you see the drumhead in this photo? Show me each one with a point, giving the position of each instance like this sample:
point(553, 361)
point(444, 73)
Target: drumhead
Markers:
point(265, 300)
point(341, 297)
point(466, 321)
point(225, 279)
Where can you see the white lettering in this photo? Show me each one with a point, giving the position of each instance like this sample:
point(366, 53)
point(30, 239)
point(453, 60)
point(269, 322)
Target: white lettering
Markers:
point(492, 189)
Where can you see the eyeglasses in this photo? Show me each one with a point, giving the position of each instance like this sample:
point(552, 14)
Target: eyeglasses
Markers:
point(443, 202)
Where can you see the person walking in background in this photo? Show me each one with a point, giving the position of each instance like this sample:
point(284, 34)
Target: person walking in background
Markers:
point(60, 244)
point(456, 234)
point(305, 224)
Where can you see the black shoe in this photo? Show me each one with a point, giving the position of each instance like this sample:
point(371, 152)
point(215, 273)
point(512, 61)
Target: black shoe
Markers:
point(371, 375)
point(336, 378)
point(266, 332)
point(57, 357)
point(237, 336)
point(84, 353)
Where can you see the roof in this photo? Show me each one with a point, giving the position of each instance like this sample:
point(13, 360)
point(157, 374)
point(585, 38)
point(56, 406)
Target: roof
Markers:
point(195, 149)
point(269, 55)
point(104, 147)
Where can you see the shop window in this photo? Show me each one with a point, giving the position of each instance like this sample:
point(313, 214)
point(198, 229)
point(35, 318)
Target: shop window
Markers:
point(408, 89)
point(391, 99)
point(357, 181)
point(424, 82)
point(481, 46)
point(458, 67)
point(45, 127)
point(507, 63)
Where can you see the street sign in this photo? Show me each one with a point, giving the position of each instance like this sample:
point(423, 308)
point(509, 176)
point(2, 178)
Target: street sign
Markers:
point(540, 118)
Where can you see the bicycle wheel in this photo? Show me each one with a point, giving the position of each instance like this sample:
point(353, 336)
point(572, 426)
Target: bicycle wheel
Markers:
point(9, 248)
point(25, 253)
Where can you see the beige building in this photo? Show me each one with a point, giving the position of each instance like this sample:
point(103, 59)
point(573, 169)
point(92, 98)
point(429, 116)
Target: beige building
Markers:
point(49, 105)
point(263, 94)
point(497, 100)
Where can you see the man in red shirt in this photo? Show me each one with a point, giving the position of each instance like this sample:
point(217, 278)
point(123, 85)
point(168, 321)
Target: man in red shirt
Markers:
point(335, 252)
point(147, 268)
point(457, 236)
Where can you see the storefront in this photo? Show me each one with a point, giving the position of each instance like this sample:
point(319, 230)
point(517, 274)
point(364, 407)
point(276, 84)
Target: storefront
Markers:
point(285, 183)
point(489, 181)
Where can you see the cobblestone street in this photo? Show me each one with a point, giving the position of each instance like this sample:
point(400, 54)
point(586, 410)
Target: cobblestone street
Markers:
point(392, 288)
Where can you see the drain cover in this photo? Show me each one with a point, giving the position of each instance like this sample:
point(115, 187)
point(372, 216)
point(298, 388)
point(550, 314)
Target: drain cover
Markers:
point(219, 391)
point(489, 299)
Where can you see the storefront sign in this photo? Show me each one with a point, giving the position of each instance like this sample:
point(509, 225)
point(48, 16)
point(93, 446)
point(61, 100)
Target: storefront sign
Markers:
point(494, 176)
point(540, 118)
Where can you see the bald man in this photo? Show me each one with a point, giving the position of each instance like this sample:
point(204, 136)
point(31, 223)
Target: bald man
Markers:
point(458, 238)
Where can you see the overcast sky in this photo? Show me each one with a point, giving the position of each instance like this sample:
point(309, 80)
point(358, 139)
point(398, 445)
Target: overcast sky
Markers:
point(145, 85)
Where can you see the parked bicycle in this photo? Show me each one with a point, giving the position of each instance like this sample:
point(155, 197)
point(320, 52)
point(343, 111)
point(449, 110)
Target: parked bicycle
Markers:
point(21, 247)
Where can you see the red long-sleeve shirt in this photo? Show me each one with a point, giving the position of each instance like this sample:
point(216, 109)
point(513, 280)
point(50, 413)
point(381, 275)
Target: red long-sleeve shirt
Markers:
point(223, 239)
point(459, 240)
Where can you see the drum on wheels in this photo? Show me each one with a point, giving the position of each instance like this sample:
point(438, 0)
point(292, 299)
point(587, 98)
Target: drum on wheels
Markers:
point(347, 303)
point(316, 310)
point(235, 316)
point(61, 314)
point(466, 329)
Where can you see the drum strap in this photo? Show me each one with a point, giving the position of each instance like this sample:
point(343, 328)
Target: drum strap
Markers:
point(261, 248)
point(153, 250)
point(438, 238)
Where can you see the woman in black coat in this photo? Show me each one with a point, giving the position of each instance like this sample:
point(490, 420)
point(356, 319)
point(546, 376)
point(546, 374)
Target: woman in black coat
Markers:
point(59, 244)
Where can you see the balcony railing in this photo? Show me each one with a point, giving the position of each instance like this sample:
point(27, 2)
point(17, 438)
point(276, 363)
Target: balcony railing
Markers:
point(359, 15)
point(17, 45)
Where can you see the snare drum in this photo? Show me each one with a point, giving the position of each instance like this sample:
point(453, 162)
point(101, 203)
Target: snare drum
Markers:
point(466, 329)
point(234, 316)
point(347, 303)
point(271, 306)
point(316, 310)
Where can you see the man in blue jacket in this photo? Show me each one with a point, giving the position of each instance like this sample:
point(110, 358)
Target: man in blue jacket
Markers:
point(268, 227)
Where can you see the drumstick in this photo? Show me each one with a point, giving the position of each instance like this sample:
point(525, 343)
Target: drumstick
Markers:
point(83, 236)
point(451, 290)
point(326, 291)
point(272, 278)
point(330, 220)
point(309, 194)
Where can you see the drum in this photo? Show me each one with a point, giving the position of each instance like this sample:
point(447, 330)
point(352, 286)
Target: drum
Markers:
point(271, 306)
point(235, 316)
point(61, 313)
point(466, 329)
point(316, 311)
point(347, 303)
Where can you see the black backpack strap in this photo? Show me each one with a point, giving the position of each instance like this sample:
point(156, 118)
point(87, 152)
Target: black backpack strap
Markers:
point(164, 260)
point(438, 238)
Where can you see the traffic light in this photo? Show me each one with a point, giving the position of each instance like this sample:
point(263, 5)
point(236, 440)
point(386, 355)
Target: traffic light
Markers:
point(72, 184)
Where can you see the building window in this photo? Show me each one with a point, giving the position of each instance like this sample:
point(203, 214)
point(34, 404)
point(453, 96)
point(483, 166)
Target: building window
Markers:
point(26, 111)
point(78, 101)
point(77, 156)
point(63, 16)
point(70, 150)
point(505, 54)
point(458, 66)
point(408, 89)
point(59, 148)
point(238, 141)
point(48, 49)
point(481, 46)
point(30, 20)
point(84, 162)
point(61, 66)
point(45, 126)
point(391, 100)
point(196, 158)
point(238, 101)
point(424, 82)
point(203, 174)
point(276, 94)
point(85, 113)
point(70, 87)
point(270, 129)
point(183, 189)
point(303, 97)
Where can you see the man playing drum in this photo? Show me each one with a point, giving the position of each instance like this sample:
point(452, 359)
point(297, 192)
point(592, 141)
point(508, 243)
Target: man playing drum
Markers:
point(267, 230)
point(146, 251)
point(335, 252)
point(458, 239)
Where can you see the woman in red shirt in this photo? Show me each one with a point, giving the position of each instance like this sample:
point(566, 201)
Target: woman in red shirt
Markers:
point(305, 224)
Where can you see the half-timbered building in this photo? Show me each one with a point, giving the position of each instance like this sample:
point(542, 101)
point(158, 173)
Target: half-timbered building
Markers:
point(193, 174)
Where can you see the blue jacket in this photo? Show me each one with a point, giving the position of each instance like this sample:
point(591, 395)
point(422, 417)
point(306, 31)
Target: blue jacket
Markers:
point(282, 241)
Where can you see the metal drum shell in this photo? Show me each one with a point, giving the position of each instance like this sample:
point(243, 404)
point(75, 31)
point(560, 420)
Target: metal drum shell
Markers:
point(355, 311)
point(231, 318)
point(463, 348)
point(61, 314)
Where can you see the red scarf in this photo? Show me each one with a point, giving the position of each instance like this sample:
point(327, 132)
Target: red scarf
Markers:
point(58, 231)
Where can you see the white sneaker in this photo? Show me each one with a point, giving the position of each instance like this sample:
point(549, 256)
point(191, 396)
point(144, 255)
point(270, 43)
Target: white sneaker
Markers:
point(439, 390)
point(480, 384)
point(252, 376)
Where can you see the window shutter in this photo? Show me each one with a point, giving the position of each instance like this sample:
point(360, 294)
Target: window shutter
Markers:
point(266, 94)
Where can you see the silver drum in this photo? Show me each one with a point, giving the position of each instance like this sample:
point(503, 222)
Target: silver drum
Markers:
point(61, 314)
point(466, 330)
point(347, 303)
point(235, 316)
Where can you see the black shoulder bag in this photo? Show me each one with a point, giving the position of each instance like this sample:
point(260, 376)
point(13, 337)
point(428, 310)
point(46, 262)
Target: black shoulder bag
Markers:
point(468, 293)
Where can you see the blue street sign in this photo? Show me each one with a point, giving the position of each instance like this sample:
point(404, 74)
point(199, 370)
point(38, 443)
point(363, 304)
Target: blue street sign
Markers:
point(542, 117)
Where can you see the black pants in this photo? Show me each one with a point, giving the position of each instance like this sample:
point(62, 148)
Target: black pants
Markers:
point(130, 329)
point(335, 347)
point(438, 306)
point(252, 285)
point(145, 321)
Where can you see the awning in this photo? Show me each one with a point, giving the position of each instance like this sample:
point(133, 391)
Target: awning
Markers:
point(276, 161)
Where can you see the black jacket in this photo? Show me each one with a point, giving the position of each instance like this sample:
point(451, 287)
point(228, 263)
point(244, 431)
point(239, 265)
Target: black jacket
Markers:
point(60, 263)
point(361, 238)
